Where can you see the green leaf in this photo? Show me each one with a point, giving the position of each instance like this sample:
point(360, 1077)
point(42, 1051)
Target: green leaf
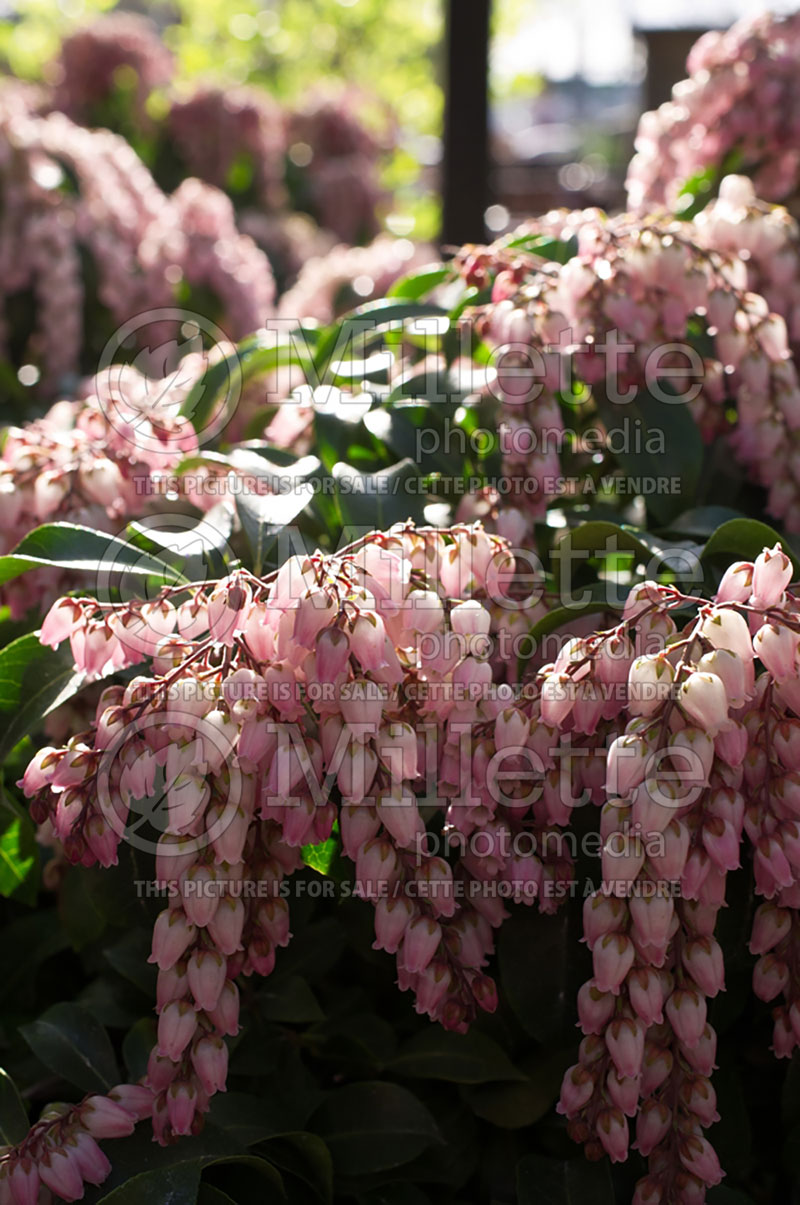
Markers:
point(559, 250)
point(245, 1119)
point(69, 546)
point(111, 1002)
point(290, 1000)
point(600, 539)
point(596, 601)
point(509, 1106)
point(248, 1177)
point(370, 1127)
point(515, 1106)
point(199, 543)
point(542, 1181)
point(606, 542)
point(209, 1195)
point(377, 500)
point(138, 1164)
point(313, 950)
point(14, 1123)
point(417, 284)
point(543, 999)
point(745, 539)
point(702, 521)
point(305, 1156)
point(394, 1194)
point(367, 318)
point(703, 185)
point(322, 856)
point(71, 1043)
point(359, 1039)
point(18, 852)
point(80, 906)
point(28, 942)
point(400, 428)
point(264, 515)
point(33, 681)
point(681, 457)
point(470, 1058)
point(221, 385)
point(137, 1045)
point(129, 957)
point(176, 1185)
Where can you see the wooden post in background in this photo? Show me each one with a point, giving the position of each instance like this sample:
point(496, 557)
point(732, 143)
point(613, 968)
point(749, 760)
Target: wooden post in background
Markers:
point(465, 158)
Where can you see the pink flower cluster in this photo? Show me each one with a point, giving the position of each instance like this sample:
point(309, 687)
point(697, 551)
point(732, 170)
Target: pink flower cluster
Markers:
point(626, 311)
point(95, 462)
point(123, 50)
point(355, 686)
point(738, 110)
point(344, 277)
point(335, 158)
point(60, 1154)
point(765, 237)
point(237, 139)
point(342, 187)
point(68, 191)
point(214, 128)
point(700, 747)
point(360, 688)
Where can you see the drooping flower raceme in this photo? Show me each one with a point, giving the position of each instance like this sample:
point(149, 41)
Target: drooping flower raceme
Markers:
point(96, 57)
point(358, 689)
point(625, 313)
point(60, 1154)
point(97, 462)
point(354, 688)
point(144, 244)
point(738, 110)
point(704, 761)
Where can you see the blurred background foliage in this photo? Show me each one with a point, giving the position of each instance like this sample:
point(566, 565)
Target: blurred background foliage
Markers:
point(292, 48)
point(289, 48)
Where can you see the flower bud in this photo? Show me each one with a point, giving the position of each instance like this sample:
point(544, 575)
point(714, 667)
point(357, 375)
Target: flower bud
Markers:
point(105, 1118)
point(646, 994)
point(770, 926)
point(649, 683)
point(625, 1042)
point(770, 977)
point(392, 918)
point(206, 975)
point(612, 1130)
point(595, 1008)
point(652, 1125)
point(612, 957)
point(686, 1013)
point(420, 943)
point(702, 697)
point(626, 764)
point(772, 572)
point(210, 1061)
point(172, 935)
point(703, 960)
point(737, 583)
point(176, 1026)
point(60, 1172)
point(576, 1090)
